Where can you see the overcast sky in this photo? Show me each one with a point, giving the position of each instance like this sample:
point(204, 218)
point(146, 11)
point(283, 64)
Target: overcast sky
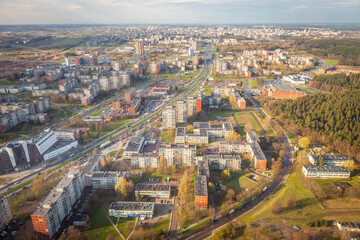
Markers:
point(178, 11)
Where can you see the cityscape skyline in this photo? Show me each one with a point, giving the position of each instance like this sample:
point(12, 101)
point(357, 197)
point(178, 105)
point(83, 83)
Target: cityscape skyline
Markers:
point(178, 12)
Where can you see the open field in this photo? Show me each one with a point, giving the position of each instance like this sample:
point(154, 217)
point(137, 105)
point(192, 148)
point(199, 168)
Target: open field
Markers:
point(253, 83)
point(309, 207)
point(223, 114)
point(244, 117)
point(168, 135)
point(125, 226)
point(330, 62)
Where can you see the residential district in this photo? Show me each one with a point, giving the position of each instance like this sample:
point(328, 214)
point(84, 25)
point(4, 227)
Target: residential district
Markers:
point(175, 132)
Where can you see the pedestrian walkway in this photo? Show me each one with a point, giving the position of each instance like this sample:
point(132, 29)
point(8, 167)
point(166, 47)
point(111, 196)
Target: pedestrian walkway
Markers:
point(115, 226)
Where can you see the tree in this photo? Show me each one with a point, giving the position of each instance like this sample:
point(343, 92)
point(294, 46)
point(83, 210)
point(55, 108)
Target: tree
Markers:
point(211, 187)
point(201, 150)
point(304, 142)
point(321, 161)
point(225, 174)
point(292, 203)
point(161, 166)
point(276, 208)
point(38, 186)
point(189, 128)
point(138, 197)
point(71, 234)
point(179, 158)
point(233, 136)
point(124, 188)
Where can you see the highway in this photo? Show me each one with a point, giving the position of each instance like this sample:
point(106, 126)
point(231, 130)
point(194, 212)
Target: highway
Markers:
point(141, 121)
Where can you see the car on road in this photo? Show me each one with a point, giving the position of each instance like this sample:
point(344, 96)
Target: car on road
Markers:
point(232, 211)
point(296, 227)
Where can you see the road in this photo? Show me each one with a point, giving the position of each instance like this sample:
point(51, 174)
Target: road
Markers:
point(141, 121)
point(174, 219)
point(206, 230)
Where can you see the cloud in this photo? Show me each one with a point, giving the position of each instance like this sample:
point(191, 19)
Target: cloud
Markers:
point(75, 7)
point(302, 6)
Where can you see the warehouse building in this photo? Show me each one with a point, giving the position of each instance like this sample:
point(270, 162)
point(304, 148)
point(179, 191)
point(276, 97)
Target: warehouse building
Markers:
point(326, 171)
point(153, 190)
point(131, 209)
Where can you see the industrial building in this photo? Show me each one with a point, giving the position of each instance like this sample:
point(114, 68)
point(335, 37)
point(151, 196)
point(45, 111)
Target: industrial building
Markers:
point(131, 209)
point(280, 90)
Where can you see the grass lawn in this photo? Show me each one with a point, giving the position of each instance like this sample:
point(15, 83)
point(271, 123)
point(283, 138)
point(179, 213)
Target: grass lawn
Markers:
point(309, 208)
point(168, 135)
point(125, 226)
point(207, 91)
point(253, 83)
point(100, 227)
point(331, 62)
point(97, 112)
point(162, 226)
point(243, 117)
point(224, 114)
point(196, 226)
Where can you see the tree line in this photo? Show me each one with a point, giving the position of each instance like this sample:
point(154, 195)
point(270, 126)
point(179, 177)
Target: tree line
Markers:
point(336, 82)
point(335, 116)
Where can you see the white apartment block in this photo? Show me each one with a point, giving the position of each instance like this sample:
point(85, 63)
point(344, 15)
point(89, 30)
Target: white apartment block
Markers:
point(169, 117)
point(5, 212)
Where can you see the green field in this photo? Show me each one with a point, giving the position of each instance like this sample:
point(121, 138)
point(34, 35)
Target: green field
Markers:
point(253, 83)
point(243, 117)
point(168, 135)
point(330, 62)
point(223, 114)
point(207, 91)
point(125, 226)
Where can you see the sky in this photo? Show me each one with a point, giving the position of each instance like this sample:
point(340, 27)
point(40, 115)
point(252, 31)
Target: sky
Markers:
point(178, 11)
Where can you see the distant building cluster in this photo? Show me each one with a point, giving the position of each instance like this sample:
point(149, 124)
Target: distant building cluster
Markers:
point(253, 61)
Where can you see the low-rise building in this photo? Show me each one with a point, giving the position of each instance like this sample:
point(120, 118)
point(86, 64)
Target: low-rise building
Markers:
point(203, 168)
point(135, 146)
point(5, 212)
point(131, 209)
point(280, 90)
point(348, 226)
point(153, 190)
point(326, 171)
point(201, 192)
point(332, 160)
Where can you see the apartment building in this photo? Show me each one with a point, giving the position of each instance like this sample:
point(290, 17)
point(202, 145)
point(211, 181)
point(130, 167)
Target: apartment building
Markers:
point(224, 161)
point(201, 192)
point(131, 209)
point(233, 147)
point(153, 190)
point(181, 111)
point(178, 154)
point(203, 168)
point(52, 211)
point(143, 160)
point(258, 156)
point(106, 180)
point(5, 212)
point(169, 117)
point(92, 165)
point(326, 171)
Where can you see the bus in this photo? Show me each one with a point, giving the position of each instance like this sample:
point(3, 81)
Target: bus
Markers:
point(105, 144)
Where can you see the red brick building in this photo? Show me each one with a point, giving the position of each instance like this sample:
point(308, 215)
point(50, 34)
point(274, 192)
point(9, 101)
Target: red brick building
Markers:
point(280, 90)
point(198, 105)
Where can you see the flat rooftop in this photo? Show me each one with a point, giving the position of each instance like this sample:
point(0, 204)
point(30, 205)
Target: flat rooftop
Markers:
point(227, 126)
point(135, 144)
point(331, 157)
point(180, 131)
point(91, 162)
point(280, 86)
point(152, 187)
point(222, 156)
point(199, 125)
point(58, 145)
point(132, 206)
point(201, 186)
point(327, 169)
point(203, 168)
point(109, 174)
